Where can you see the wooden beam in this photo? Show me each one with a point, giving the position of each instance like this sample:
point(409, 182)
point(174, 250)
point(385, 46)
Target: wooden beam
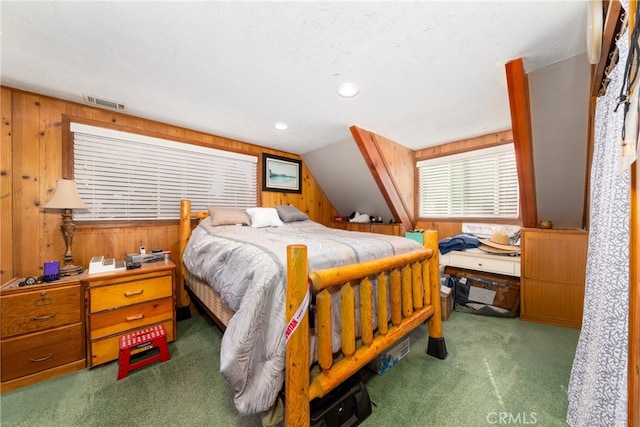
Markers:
point(518, 85)
point(612, 25)
point(465, 145)
point(383, 177)
point(633, 373)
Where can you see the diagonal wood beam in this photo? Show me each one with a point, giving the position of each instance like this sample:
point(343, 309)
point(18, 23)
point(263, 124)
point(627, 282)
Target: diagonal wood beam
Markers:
point(382, 176)
point(518, 85)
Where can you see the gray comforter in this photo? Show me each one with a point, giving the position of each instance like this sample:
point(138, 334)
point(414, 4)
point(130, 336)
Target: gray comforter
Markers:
point(247, 266)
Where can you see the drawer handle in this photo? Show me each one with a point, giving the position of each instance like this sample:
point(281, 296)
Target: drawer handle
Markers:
point(132, 318)
point(47, 317)
point(42, 359)
point(133, 293)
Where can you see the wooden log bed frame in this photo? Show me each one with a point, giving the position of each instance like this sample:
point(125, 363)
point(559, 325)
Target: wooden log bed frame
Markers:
point(414, 286)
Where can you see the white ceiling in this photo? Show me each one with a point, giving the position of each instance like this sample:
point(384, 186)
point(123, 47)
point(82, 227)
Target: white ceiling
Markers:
point(429, 72)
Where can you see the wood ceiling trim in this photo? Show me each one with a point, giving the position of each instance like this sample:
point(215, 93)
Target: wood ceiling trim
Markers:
point(382, 176)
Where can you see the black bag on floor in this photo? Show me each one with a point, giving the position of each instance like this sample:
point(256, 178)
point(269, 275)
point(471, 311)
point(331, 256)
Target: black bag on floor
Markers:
point(345, 406)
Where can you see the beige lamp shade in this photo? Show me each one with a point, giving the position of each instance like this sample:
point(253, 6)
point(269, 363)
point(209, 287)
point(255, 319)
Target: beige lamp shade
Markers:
point(66, 196)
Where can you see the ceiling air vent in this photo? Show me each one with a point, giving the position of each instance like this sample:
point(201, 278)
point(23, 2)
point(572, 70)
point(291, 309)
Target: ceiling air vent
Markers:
point(101, 102)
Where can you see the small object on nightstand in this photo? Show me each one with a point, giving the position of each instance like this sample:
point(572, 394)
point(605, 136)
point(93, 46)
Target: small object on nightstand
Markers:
point(547, 225)
point(51, 271)
point(100, 264)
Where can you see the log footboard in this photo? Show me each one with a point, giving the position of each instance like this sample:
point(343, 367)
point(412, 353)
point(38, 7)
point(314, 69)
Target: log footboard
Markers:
point(410, 282)
point(413, 283)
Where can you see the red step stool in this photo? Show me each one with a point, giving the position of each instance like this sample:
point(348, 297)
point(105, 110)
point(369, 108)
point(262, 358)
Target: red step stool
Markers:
point(136, 342)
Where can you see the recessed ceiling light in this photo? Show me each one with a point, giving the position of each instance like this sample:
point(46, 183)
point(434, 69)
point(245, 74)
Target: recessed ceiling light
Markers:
point(348, 90)
point(281, 125)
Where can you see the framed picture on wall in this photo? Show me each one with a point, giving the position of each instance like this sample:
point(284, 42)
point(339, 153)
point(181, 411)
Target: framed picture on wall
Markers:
point(281, 174)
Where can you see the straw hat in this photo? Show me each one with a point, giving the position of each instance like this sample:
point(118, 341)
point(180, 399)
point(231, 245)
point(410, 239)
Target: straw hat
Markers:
point(498, 243)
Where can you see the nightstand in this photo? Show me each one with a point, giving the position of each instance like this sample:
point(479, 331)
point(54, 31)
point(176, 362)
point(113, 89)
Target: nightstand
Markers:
point(124, 301)
point(42, 331)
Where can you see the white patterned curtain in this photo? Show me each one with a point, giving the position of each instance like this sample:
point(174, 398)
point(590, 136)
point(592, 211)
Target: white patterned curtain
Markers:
point(598, 384)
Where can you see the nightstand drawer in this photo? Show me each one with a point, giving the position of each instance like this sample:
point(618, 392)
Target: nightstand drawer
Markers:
point(492, 265)
point(107, 349)
point(128, 293)
point(37, 352)
point(136, 316)
point(40, 309)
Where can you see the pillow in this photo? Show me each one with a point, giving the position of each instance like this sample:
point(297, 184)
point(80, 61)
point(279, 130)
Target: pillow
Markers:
point(264, 217)
point(289, 213)
point(228, 216)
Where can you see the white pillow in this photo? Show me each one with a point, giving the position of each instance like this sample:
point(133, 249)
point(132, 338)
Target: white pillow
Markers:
point(264, 217)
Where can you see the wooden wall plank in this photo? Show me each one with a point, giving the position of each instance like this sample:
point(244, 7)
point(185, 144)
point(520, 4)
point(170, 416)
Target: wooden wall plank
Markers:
point(464, 145)
point(6, 186)
point(401, 164)
point(27, 221)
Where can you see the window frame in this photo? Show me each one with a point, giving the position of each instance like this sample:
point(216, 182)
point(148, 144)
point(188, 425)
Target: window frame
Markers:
point(68, 167)
point(468, 145)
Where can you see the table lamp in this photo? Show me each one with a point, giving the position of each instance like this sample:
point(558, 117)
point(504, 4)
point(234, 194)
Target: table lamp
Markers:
point(66, 198)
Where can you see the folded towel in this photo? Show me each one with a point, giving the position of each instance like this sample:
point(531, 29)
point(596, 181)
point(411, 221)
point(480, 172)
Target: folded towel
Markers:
point(459, 242)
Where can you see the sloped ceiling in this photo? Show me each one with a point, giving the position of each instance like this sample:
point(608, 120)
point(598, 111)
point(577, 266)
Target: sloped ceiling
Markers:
point(429, 72)
point(346, 179)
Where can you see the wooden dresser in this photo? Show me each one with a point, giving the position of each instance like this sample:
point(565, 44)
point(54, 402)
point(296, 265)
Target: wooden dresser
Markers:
point(371, 227)
point(42, 331)
point(553, 276)
point(125, 301)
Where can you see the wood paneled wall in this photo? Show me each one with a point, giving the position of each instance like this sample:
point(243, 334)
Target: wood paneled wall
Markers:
point(401, 164)
point(33, 128)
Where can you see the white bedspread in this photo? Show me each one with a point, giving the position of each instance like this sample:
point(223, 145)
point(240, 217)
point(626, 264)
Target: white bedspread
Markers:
point(247, 266)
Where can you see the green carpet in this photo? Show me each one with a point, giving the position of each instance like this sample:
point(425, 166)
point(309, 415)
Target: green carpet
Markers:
point(499, 371)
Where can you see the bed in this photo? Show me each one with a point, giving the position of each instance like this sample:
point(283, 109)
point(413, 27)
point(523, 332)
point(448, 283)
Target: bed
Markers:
point(305, 305)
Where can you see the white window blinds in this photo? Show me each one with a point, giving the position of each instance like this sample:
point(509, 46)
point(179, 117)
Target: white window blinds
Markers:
point(126, 176)
point(481, 183)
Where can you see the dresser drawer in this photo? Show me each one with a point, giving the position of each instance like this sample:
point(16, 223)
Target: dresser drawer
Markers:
point(492, 265)
point(130, 317)
point(41, 309)
point(131, 292)
point(37, 352)
point(107, 349)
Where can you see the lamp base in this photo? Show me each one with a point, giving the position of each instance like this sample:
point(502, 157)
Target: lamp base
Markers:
point(70, 270)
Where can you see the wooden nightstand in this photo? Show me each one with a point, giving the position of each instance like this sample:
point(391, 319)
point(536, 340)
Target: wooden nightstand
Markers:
point(42, 331)
point(125, 301)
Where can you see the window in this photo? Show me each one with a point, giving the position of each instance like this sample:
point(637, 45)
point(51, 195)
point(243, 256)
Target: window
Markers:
point(126, 176)
point(477, 184)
